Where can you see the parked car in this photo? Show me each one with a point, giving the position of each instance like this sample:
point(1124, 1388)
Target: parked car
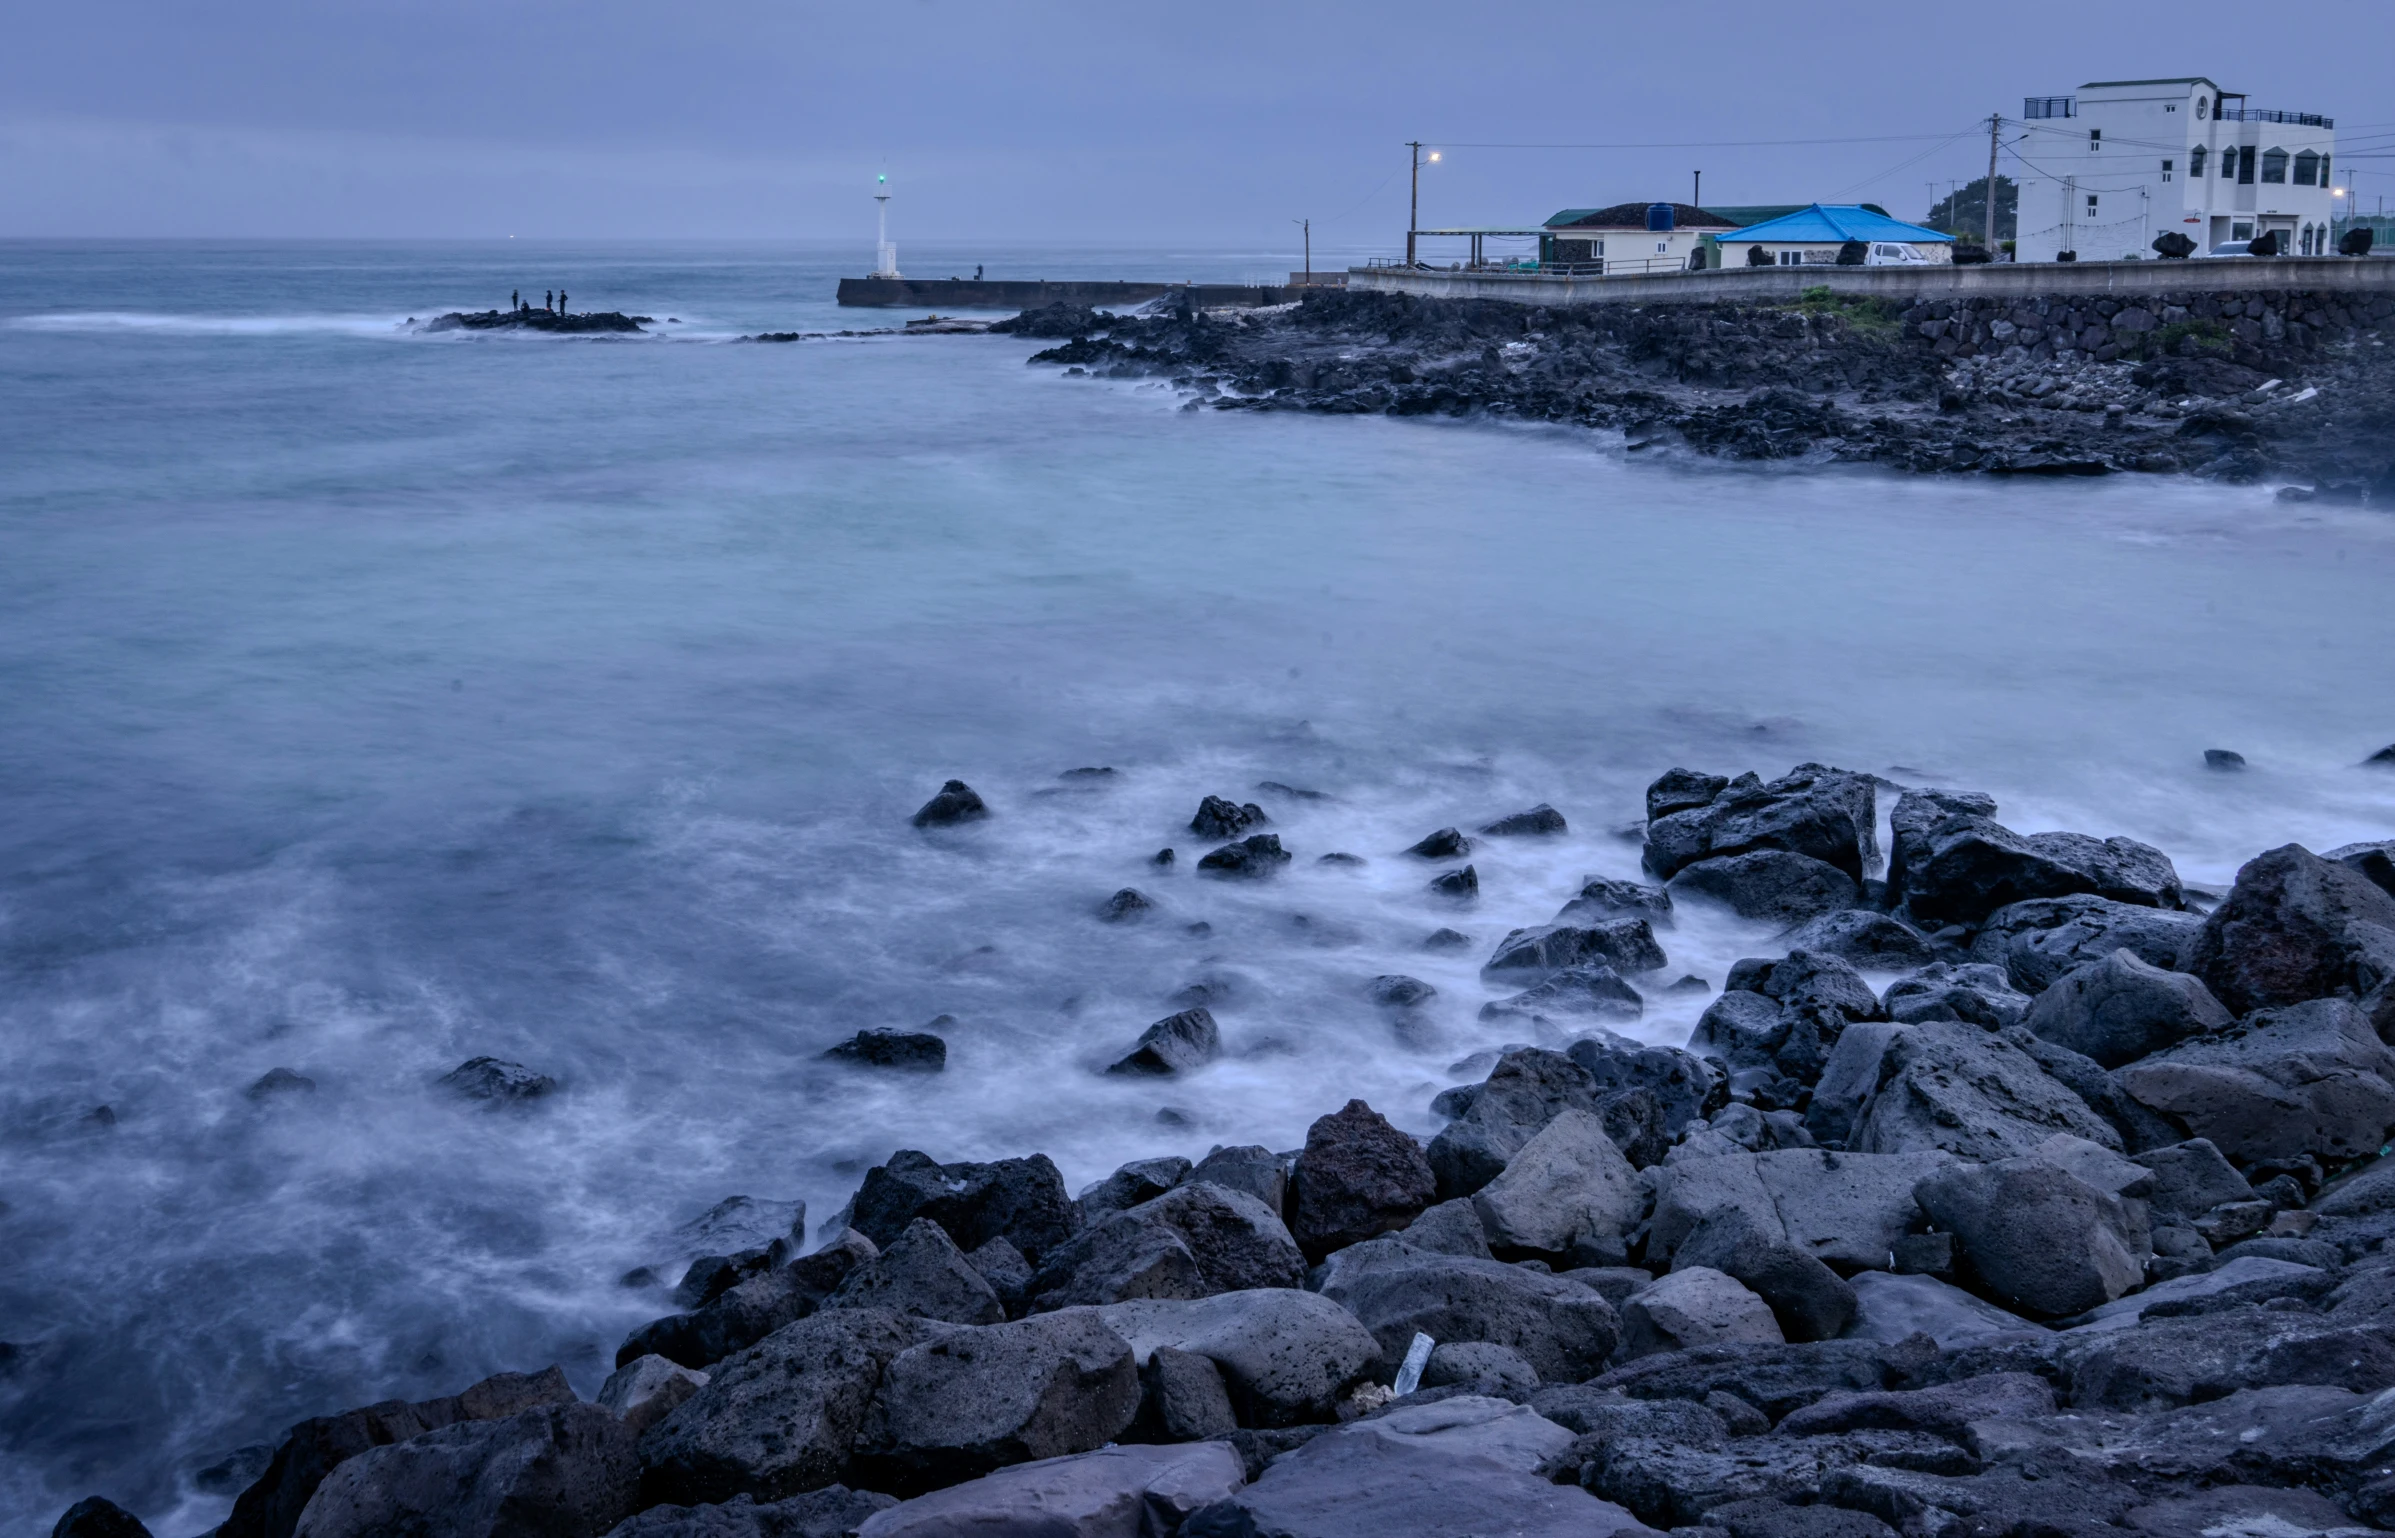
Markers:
point(2232, 248)
point(1895, 253)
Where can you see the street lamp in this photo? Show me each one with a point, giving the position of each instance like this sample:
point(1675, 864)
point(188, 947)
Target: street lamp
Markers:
point(1413, 207)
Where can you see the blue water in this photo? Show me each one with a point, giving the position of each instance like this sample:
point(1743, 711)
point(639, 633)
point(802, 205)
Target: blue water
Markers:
point(370, 700)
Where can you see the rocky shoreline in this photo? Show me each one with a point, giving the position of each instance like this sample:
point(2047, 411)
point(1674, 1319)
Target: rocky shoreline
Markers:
point(2296, 388)
point(2020, 1189)
point(594, 323)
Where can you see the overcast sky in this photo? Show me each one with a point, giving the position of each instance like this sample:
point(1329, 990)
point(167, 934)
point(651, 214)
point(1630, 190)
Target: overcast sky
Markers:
point(1210, 125)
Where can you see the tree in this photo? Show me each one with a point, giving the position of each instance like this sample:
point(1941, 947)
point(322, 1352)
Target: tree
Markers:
point(1964, 213)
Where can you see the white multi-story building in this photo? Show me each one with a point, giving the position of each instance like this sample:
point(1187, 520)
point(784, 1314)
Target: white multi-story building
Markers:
point(2106, 171)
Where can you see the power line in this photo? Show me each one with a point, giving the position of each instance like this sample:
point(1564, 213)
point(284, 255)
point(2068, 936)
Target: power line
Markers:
point(1707, 144)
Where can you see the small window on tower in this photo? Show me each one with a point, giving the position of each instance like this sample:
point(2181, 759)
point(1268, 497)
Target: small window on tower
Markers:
point(2195, 161)
point(2170, 106)
point(2091, 205)
point(2095, 138)
point(2166, 170)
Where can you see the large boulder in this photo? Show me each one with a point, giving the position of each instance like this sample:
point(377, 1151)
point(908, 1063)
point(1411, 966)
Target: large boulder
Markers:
point(1176, 1044)
point(1863, 938)
point(1601, 898)
point(271, 1506)
point(1805, 979)
point(1196, 1239)
point(2191, 1178)
point(1688, 1192)
point(957, 802)
point(1626, 945)
point(566, 1471)
point(1575, 996)
point(1891, 1308)
point(781, 1417)
point(1568, 1190)
point(1970, 866)
point(1909, 824)
point(1141, 1180)
point(2375, 860)
point(1287, 1357)
point(1695, 1306)
point(2036, 942)
point(1115, 1492)
point(1249, 1168)
point(1824, 814)
point(1849, 1078)
point(1971, 1093)
point(1772, 1379)
point(2165, 1363)
point(1771, 886)
point(1357, 1178)
point(923, 1274)
point(1684, 1085)
point(832, 1512)
point(1971, 991)
point(2036, 1236)
point(1219, 817)
point(1182, 1398)
point(976, 1400)
point(1808, 1299)
point(2119, 1009)
point(1460, 1466)
point(1563, 1329)
point(2310, 1079)
point(1022, 1200)
point(96, 1516)
point(2295, 927)
point(1847, 1210)
point(1493, 1119)
point(752, 1310)
point(646, 1391)
point(1746, 1030)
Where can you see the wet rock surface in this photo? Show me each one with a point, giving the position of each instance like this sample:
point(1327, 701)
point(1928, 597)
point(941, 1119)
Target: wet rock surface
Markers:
point(2235, 387)
point(2082, 1224)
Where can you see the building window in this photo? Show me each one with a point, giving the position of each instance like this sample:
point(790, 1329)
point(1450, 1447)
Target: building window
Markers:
point(2307, 169)
point(2203, 107)
point(2245, 165)
point(2324, 171)
point(2095, 139)
point(2170, 106)
point(2091, 205)
point(2166, 170)
point(2274, 166)
point(1792, 258)
point(2242, 230)
point(2195, 161)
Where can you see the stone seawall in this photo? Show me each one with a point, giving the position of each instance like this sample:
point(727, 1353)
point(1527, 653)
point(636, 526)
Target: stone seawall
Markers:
point(1031, 294)
point(1905, 285)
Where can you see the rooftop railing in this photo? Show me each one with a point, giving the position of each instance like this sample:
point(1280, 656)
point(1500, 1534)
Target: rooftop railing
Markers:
point(2273, 115)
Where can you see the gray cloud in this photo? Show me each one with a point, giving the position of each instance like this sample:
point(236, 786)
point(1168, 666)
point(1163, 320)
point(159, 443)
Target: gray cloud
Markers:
point(1062, 119)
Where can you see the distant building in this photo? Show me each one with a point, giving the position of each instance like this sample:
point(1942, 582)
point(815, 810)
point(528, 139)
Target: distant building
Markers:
point(1814, 235)
point(1625, 238)
point(2105, 171)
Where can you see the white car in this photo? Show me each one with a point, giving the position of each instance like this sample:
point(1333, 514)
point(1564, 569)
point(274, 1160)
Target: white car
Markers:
point(2230, 248)
point(1890, 253)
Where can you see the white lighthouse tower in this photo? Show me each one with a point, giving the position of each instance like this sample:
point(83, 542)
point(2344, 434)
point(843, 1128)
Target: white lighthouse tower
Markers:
point(885, 255)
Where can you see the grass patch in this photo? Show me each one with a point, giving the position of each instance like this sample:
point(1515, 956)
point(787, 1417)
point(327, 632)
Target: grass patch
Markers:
point(1880, 319)
point(2208, 335)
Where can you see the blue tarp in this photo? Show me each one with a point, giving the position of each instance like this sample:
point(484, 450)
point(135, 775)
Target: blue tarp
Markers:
point(1832, 224)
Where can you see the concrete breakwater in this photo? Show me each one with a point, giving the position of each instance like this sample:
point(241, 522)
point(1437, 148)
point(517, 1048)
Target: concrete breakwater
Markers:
point(1030, 294)
point(2235, 384)
point(1906, 285)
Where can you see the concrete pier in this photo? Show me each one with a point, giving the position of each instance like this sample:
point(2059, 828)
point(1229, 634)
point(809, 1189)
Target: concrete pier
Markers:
point(1018, 294)
point(1906, 285)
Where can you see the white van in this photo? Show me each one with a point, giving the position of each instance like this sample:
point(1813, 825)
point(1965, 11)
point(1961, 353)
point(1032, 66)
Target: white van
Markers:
point(1890, 253)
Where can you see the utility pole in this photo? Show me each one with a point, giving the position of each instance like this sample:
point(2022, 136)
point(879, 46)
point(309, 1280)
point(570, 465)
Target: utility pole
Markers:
point(1696, 193)
point(1308, 226)
point(1995, 126)
point(1413, 204)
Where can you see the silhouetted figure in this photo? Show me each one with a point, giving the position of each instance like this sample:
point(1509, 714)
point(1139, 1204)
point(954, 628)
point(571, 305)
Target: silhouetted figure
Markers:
point(548, 299)
point(561, 301)
point(515, 299)
point(977, 272)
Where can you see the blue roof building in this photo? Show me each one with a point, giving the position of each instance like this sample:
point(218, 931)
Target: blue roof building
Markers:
point(1814, 234)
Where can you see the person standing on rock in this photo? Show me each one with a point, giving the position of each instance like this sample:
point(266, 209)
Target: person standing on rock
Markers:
point(515, 299)
point(561, 301)
point(547, 298)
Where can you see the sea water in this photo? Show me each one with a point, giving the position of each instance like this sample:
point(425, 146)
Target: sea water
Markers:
point(372, 699)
